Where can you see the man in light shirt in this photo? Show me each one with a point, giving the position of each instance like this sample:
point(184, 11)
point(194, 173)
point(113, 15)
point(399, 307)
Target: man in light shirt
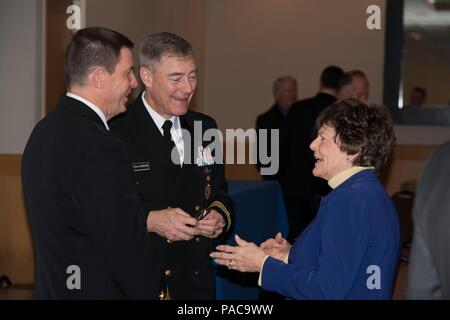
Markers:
point(89, 230)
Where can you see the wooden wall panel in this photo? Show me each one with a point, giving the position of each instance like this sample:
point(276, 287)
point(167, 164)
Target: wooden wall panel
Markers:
point(16, 248)
point(406, 166)
point(242, 172)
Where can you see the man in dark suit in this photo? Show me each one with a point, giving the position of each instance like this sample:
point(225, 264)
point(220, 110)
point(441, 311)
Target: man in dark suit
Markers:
point(429, 268)
point(176, 174)
point(299, 184)
point(89, 229)
point(285, 94)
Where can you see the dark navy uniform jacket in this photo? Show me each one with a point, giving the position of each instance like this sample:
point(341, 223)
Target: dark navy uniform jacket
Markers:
point(185, 266)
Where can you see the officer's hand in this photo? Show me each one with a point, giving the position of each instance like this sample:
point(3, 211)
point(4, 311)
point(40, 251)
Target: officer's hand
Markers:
point(212, 225)
point(173, 224)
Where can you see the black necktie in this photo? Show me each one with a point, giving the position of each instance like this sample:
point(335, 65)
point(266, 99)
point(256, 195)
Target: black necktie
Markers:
point(171, 144)
point(166, 131)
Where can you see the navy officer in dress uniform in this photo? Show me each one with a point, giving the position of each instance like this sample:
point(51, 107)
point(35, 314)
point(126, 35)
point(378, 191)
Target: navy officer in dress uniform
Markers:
point(182, 187)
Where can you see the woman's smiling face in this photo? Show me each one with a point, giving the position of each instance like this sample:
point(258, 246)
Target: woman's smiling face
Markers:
point(330, 159)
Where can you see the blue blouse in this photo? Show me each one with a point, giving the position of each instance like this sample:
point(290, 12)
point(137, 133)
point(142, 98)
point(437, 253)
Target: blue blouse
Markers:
point(349, 251)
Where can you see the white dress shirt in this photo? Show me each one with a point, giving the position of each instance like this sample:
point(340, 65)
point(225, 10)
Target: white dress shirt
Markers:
point(90, 105)
point(175, 131)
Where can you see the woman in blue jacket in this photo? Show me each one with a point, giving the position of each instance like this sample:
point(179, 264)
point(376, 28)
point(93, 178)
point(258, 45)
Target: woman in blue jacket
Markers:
point(351, 249)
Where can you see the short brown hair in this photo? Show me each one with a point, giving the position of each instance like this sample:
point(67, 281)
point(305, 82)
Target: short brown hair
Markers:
point(92, 47)
point(361, 129)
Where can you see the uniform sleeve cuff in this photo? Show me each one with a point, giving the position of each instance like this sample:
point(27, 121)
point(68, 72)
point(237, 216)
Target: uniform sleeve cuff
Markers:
point(222, 209)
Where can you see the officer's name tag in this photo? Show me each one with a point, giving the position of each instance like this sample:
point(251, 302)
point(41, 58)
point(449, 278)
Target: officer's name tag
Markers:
point(140, 166)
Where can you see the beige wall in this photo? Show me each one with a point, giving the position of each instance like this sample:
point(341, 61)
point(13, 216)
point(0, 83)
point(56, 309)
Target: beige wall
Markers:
point(239, 46)
point(249, 43)
point(20, 72)
point(421, 135)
